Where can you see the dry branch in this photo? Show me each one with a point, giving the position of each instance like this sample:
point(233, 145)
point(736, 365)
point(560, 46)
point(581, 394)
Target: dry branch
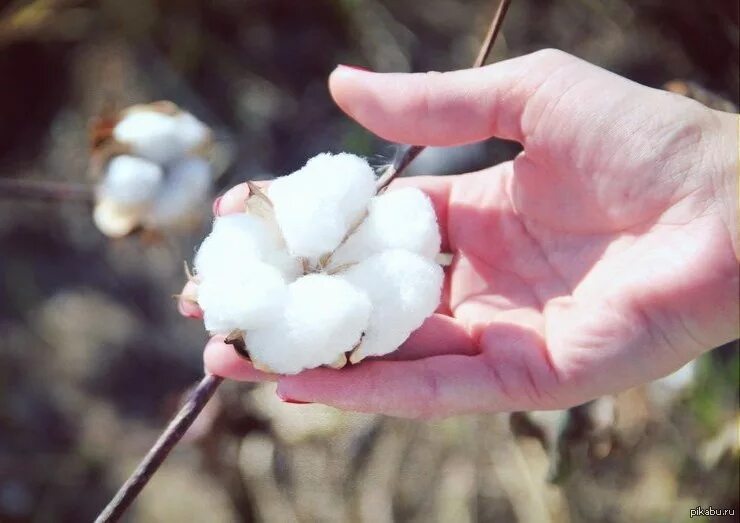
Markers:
point(45, 190)
point(161, 449)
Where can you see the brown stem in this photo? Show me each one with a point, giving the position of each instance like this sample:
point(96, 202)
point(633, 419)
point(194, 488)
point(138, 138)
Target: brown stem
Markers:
point(45, 190)
point(412, 151)
point(493, 30)
point(208, 385)
point(157, 454)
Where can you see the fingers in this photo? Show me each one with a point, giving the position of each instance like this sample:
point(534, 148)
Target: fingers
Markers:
point(431, 387)
point(445, 108)
point(222, 360)
point(233, 200)
point(438, 335)
point(187, 303)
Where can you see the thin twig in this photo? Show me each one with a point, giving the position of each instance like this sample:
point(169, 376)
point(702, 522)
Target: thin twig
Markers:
point(493, 30)
point(412, 151)
point(208, 385)
point(157, 454)
point(45, 190)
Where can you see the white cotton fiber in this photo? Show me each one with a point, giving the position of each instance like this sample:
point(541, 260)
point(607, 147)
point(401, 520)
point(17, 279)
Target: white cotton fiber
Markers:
point(245, 295)
point(324, 317)
point(404, 289)
point(130, 181)
point(316, 205)
point(239, 237)
point(400, 219)
point(184, 194)
point(160, 137)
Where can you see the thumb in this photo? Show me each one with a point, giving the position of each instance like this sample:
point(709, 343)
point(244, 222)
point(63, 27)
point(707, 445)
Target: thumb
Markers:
point(445, 108)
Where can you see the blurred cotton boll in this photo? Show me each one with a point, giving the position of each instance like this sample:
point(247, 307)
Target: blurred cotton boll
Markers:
point(160, 132)
point(113, 220)
point(153, 170)
point(126, 193)
point(131, 181)
point(353, 273)
point(185, 191)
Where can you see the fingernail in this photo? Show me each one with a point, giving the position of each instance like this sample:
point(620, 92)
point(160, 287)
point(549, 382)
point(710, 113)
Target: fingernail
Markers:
point(356, 67)
point(286, 399)
point(296, 402)
point(216, 205)
point(188, 314)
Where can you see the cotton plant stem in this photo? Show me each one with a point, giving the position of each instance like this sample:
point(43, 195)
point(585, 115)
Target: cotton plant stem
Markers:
point(493, 30)
point(412, 151)
point(12, 188)
point(208, 385)
point(161, 449)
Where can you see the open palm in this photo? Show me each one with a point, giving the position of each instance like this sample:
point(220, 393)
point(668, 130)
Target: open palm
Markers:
point(601, 257)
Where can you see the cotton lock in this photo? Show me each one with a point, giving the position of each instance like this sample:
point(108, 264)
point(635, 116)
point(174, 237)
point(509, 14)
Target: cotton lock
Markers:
point(319, 270)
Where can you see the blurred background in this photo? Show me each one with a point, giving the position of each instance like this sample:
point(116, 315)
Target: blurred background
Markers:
point(94, 358)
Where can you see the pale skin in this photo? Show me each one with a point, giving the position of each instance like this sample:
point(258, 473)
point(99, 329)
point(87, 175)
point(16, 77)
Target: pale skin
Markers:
point(604, 256)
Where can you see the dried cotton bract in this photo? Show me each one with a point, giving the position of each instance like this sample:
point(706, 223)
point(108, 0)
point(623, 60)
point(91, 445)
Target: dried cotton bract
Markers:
point(319, 268)
point(152, 171)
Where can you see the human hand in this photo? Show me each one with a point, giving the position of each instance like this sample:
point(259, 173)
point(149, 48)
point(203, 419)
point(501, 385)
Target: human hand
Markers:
point(605, 255)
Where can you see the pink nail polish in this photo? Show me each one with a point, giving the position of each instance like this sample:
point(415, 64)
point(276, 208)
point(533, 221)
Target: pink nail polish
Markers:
point(356, 67)
point(188, 314)
point(216, 205)
point(296, 402)
point(286, 399)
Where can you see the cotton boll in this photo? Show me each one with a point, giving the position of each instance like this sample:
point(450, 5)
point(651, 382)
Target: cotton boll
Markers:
point(404, 289)
point(113, 220)
point(182, 199)
point(324, 317)
point(245, 295)
point(130, 181)
point(316, 205)
point(150, 134)
point(400, 219)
